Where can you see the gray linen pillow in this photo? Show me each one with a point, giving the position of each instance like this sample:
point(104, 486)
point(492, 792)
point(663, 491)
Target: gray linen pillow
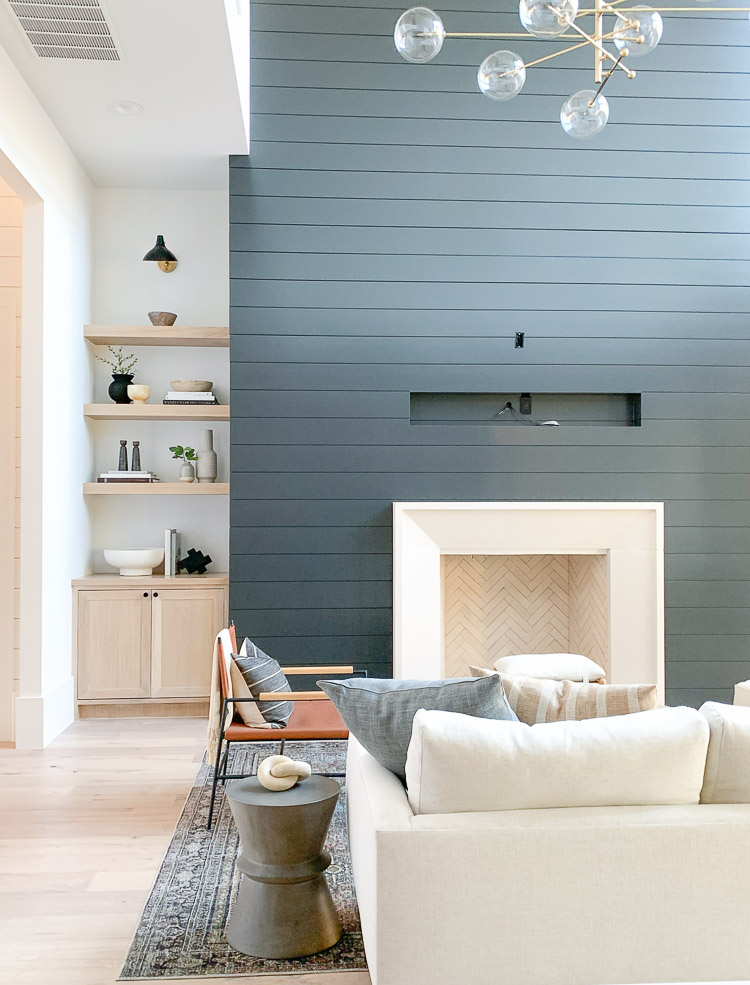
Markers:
point(262, 674)
point(380, 712)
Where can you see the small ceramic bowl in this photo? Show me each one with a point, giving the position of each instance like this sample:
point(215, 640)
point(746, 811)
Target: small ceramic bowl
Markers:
point(134, 563)
point(191, 386)
point(139, 392)
point(162, 317)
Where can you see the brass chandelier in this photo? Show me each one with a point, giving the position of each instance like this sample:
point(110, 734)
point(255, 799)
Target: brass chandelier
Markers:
point(632, 31)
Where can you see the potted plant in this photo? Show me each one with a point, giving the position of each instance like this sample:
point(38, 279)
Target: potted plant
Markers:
point(122, 367)
point(188, 456)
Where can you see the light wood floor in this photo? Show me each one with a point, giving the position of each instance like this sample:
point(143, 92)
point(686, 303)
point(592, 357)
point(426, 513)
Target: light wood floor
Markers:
point(83, 827)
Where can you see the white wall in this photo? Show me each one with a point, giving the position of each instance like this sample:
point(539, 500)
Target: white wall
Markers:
point(195, 225)
point(11, 258)
point(57, 196)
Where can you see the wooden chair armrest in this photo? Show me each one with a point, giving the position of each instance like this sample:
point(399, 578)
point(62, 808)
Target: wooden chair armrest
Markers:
point(318, 670)
point(293, 696)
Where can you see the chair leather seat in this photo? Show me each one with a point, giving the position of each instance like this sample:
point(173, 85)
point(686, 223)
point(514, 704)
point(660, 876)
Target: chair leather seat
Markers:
point(309, 720)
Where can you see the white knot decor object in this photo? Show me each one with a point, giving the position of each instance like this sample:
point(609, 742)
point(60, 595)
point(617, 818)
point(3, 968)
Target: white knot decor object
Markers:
point(281, 772)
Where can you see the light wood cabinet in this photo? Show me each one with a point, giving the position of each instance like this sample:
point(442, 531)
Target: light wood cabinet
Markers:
point(183, 627)
point(147, 642)
point(114, 640)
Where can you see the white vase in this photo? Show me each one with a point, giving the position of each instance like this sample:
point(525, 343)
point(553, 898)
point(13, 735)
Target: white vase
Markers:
point(187, 473)
point(206, 469)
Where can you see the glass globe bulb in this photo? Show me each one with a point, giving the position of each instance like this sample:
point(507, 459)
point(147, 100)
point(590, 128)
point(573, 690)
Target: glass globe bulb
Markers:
point(547, 18)
point(650, 28)
point(584, 114)
point(501, 75)
point(419, 34)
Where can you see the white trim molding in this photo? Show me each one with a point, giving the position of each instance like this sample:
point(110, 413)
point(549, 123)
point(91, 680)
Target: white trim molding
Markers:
point(631, 535)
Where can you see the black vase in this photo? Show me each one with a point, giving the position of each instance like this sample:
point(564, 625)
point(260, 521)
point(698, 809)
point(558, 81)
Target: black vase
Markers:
point(118, 388)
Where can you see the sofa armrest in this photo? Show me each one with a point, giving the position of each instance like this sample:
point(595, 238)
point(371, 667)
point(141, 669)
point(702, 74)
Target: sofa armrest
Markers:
point(381, 792)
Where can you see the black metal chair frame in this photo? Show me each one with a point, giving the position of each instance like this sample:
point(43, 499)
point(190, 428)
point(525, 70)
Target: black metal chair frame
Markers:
point(221, 763)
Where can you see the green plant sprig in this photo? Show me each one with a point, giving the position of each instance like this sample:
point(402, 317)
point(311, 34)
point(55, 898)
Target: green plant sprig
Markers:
point(187, 454)
point(120, 364)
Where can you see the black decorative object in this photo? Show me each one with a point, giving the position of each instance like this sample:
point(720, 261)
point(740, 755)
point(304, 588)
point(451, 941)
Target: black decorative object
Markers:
point(122, 465)
point(165, 258)
point(118, 388)
point(195, 563)
point(135, 458)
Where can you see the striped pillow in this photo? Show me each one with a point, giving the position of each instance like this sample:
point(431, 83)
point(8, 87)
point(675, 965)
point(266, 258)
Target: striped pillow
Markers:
point(535, 700)
point(261, 673)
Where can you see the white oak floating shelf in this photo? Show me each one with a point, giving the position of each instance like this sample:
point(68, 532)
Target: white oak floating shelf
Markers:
point(156, 488)
point(155, 412)
point(204, 336)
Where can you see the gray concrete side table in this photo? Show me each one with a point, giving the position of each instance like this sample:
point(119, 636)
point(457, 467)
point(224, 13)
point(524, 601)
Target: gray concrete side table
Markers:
point(284, 907)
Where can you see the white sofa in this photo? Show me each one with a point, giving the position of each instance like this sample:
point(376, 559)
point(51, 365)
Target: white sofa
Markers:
point(574, 896)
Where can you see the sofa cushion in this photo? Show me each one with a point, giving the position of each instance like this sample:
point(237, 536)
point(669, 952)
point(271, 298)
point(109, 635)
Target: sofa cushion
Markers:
point(535, 700)
point(727, 776)
point(260, 673)
point(456, 763)
point(552, 666)
point(380, 712)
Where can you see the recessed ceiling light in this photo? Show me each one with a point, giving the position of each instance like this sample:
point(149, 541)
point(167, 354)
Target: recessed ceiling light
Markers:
point(125, 107)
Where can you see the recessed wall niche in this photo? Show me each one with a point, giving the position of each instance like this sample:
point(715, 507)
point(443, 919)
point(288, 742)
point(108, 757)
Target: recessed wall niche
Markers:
point(568, 409)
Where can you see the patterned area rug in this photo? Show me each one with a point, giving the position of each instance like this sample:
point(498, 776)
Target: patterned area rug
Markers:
point(181, 933)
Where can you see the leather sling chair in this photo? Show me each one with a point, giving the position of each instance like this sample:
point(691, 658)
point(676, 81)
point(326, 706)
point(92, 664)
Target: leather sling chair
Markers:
point(314, 717)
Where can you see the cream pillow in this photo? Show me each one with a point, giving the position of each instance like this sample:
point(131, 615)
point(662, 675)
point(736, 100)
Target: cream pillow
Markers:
point(457, 763)
point(552, 666)
point(535, 700)
point(727, 777)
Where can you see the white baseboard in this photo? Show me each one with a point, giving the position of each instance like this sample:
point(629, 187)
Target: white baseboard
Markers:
point(41, 718)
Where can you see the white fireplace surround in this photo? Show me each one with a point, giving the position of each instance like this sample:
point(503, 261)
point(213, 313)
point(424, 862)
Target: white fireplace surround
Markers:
point(631, 535)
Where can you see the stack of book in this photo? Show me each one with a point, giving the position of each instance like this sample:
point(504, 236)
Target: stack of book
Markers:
point(190, 398)
point(123, 476)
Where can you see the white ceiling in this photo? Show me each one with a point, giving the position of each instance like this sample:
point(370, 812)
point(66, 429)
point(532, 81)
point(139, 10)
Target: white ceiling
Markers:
point(185, 61)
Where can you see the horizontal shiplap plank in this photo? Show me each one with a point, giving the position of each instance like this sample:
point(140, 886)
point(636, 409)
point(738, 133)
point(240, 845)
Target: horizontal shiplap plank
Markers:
point(625, 108)
point(333, 244)
point(553, 486)
point(700, 161)
point(500, 378)
point(264, 403)
point(708, 594)
point(695, 697)
point(315, 595)
point(726, 55)
point(251, 565)
point(548, 213)
point(378, 513)
point(313, 622)
point(486, 351)
point(499, 322)
point(494, 270)
point(344, 459)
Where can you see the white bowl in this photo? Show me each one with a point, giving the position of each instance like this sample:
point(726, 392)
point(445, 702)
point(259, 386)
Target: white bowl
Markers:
point(133, 563)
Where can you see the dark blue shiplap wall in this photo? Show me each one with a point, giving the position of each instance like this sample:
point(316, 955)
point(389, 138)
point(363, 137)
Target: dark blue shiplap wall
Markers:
point(392, 229)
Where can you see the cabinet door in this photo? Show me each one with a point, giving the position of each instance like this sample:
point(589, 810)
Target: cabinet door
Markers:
point(114, 644)
point(184, 623)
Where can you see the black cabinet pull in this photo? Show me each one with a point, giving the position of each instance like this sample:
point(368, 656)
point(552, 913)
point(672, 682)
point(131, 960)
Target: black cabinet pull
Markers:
point(145, 595)
point(156, 595)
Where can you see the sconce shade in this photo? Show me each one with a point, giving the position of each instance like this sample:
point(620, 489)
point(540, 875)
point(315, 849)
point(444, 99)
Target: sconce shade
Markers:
point(160, 251)
point(165, 258)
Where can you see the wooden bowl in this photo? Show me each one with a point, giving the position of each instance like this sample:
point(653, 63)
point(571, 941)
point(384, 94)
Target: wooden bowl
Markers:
point(191, 386)
point(162, 317)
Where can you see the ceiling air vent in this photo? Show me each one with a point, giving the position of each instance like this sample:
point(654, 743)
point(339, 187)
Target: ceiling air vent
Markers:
point(76, 29)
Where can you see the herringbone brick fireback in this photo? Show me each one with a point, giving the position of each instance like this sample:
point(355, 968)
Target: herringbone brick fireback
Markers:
point(496, 605)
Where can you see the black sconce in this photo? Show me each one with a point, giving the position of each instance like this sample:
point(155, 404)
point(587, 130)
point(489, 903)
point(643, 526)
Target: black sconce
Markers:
point(165, 258)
